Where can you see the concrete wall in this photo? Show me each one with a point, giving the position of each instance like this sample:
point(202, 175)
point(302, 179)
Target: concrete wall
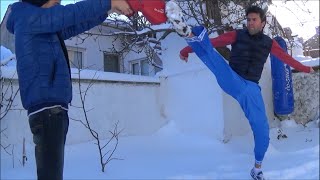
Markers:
point(134, 104)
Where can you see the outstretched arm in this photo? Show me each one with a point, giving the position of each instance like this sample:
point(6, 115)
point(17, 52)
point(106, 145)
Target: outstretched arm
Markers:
point(82, 27)
point(58, 17)
point(220, 41)
point(120, 6)
point(277, 51)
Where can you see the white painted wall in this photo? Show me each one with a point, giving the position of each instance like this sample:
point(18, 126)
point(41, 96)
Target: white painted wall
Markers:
point(134, 103)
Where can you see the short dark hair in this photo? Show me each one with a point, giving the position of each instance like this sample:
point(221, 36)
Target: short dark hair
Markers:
point(258, 10)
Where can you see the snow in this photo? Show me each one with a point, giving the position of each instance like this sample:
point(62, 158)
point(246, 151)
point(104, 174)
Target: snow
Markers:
point(170, 154)
point(301, 16)
point(190, 92)
point(10, 72)
point(184, 148)
point(7, 58)
point(307, 60)
point(311, 62)
point(109, 76)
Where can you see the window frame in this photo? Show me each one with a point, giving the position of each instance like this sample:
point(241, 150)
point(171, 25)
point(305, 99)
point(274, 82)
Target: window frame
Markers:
point(78, 50)
point(105, 54)
point(139, 62)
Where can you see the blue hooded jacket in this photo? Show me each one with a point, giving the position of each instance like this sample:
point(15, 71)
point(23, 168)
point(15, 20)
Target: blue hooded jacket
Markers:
point(43, 72)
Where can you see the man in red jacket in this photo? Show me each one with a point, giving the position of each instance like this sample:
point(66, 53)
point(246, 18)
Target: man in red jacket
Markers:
point(239, 78)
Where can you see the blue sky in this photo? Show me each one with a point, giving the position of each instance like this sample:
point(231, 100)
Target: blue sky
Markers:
point(4, 4)
point(306, 29)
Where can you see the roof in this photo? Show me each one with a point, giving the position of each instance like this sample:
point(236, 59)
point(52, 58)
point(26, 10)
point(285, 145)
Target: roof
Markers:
point(313, 42)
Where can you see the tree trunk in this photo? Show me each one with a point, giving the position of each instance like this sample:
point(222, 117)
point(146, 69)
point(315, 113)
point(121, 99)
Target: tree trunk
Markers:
point(213, 12)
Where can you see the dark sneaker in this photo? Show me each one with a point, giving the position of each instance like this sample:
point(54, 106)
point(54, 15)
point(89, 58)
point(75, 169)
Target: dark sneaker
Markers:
point(256, 175)
point(175, 16)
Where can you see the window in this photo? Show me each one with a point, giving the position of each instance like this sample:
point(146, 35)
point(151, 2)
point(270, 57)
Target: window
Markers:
point(111, 63)
point(75, 57)
point(135, 68)
point(140, 67)
point(144, 67)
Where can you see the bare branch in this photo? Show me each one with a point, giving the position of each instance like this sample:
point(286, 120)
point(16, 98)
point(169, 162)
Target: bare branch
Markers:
point(5, 148)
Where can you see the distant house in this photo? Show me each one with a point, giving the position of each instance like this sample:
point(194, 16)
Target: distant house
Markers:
point(311, 46)
point(97, 50)
point(7, 39)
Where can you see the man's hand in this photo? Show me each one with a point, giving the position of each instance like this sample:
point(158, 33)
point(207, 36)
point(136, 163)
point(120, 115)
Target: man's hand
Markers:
point(311, 70)
point(121, 7)
point(184, 58)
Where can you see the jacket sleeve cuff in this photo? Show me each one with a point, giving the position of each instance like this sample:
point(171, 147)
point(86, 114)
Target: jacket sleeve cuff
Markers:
point(185, 51)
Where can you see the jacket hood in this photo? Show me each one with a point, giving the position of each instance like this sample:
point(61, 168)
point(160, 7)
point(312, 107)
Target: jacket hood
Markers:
point(16, 14)
point(13, 10)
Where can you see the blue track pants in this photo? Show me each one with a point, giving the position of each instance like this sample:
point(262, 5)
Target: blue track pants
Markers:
point(247, 93)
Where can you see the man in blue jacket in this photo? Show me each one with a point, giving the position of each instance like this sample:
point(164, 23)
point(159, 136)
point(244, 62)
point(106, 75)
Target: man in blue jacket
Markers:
point(40, 28)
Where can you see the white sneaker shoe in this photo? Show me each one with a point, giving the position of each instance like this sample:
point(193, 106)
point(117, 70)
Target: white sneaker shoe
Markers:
point(256, 175)
point(175, 16)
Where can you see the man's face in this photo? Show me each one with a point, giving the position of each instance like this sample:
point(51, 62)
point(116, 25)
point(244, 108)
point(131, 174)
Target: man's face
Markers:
point(254, 23)
point(51, 3)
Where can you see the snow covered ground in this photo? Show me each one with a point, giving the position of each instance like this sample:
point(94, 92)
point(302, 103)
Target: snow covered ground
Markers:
point(170, 154)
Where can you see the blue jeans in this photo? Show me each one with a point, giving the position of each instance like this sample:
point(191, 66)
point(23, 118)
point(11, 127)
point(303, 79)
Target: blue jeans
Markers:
point(49, 128)
point(247, 93)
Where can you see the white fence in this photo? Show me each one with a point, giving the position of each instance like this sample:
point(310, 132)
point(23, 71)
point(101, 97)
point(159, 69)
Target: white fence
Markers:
point(142, 105)
point(132, 101)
